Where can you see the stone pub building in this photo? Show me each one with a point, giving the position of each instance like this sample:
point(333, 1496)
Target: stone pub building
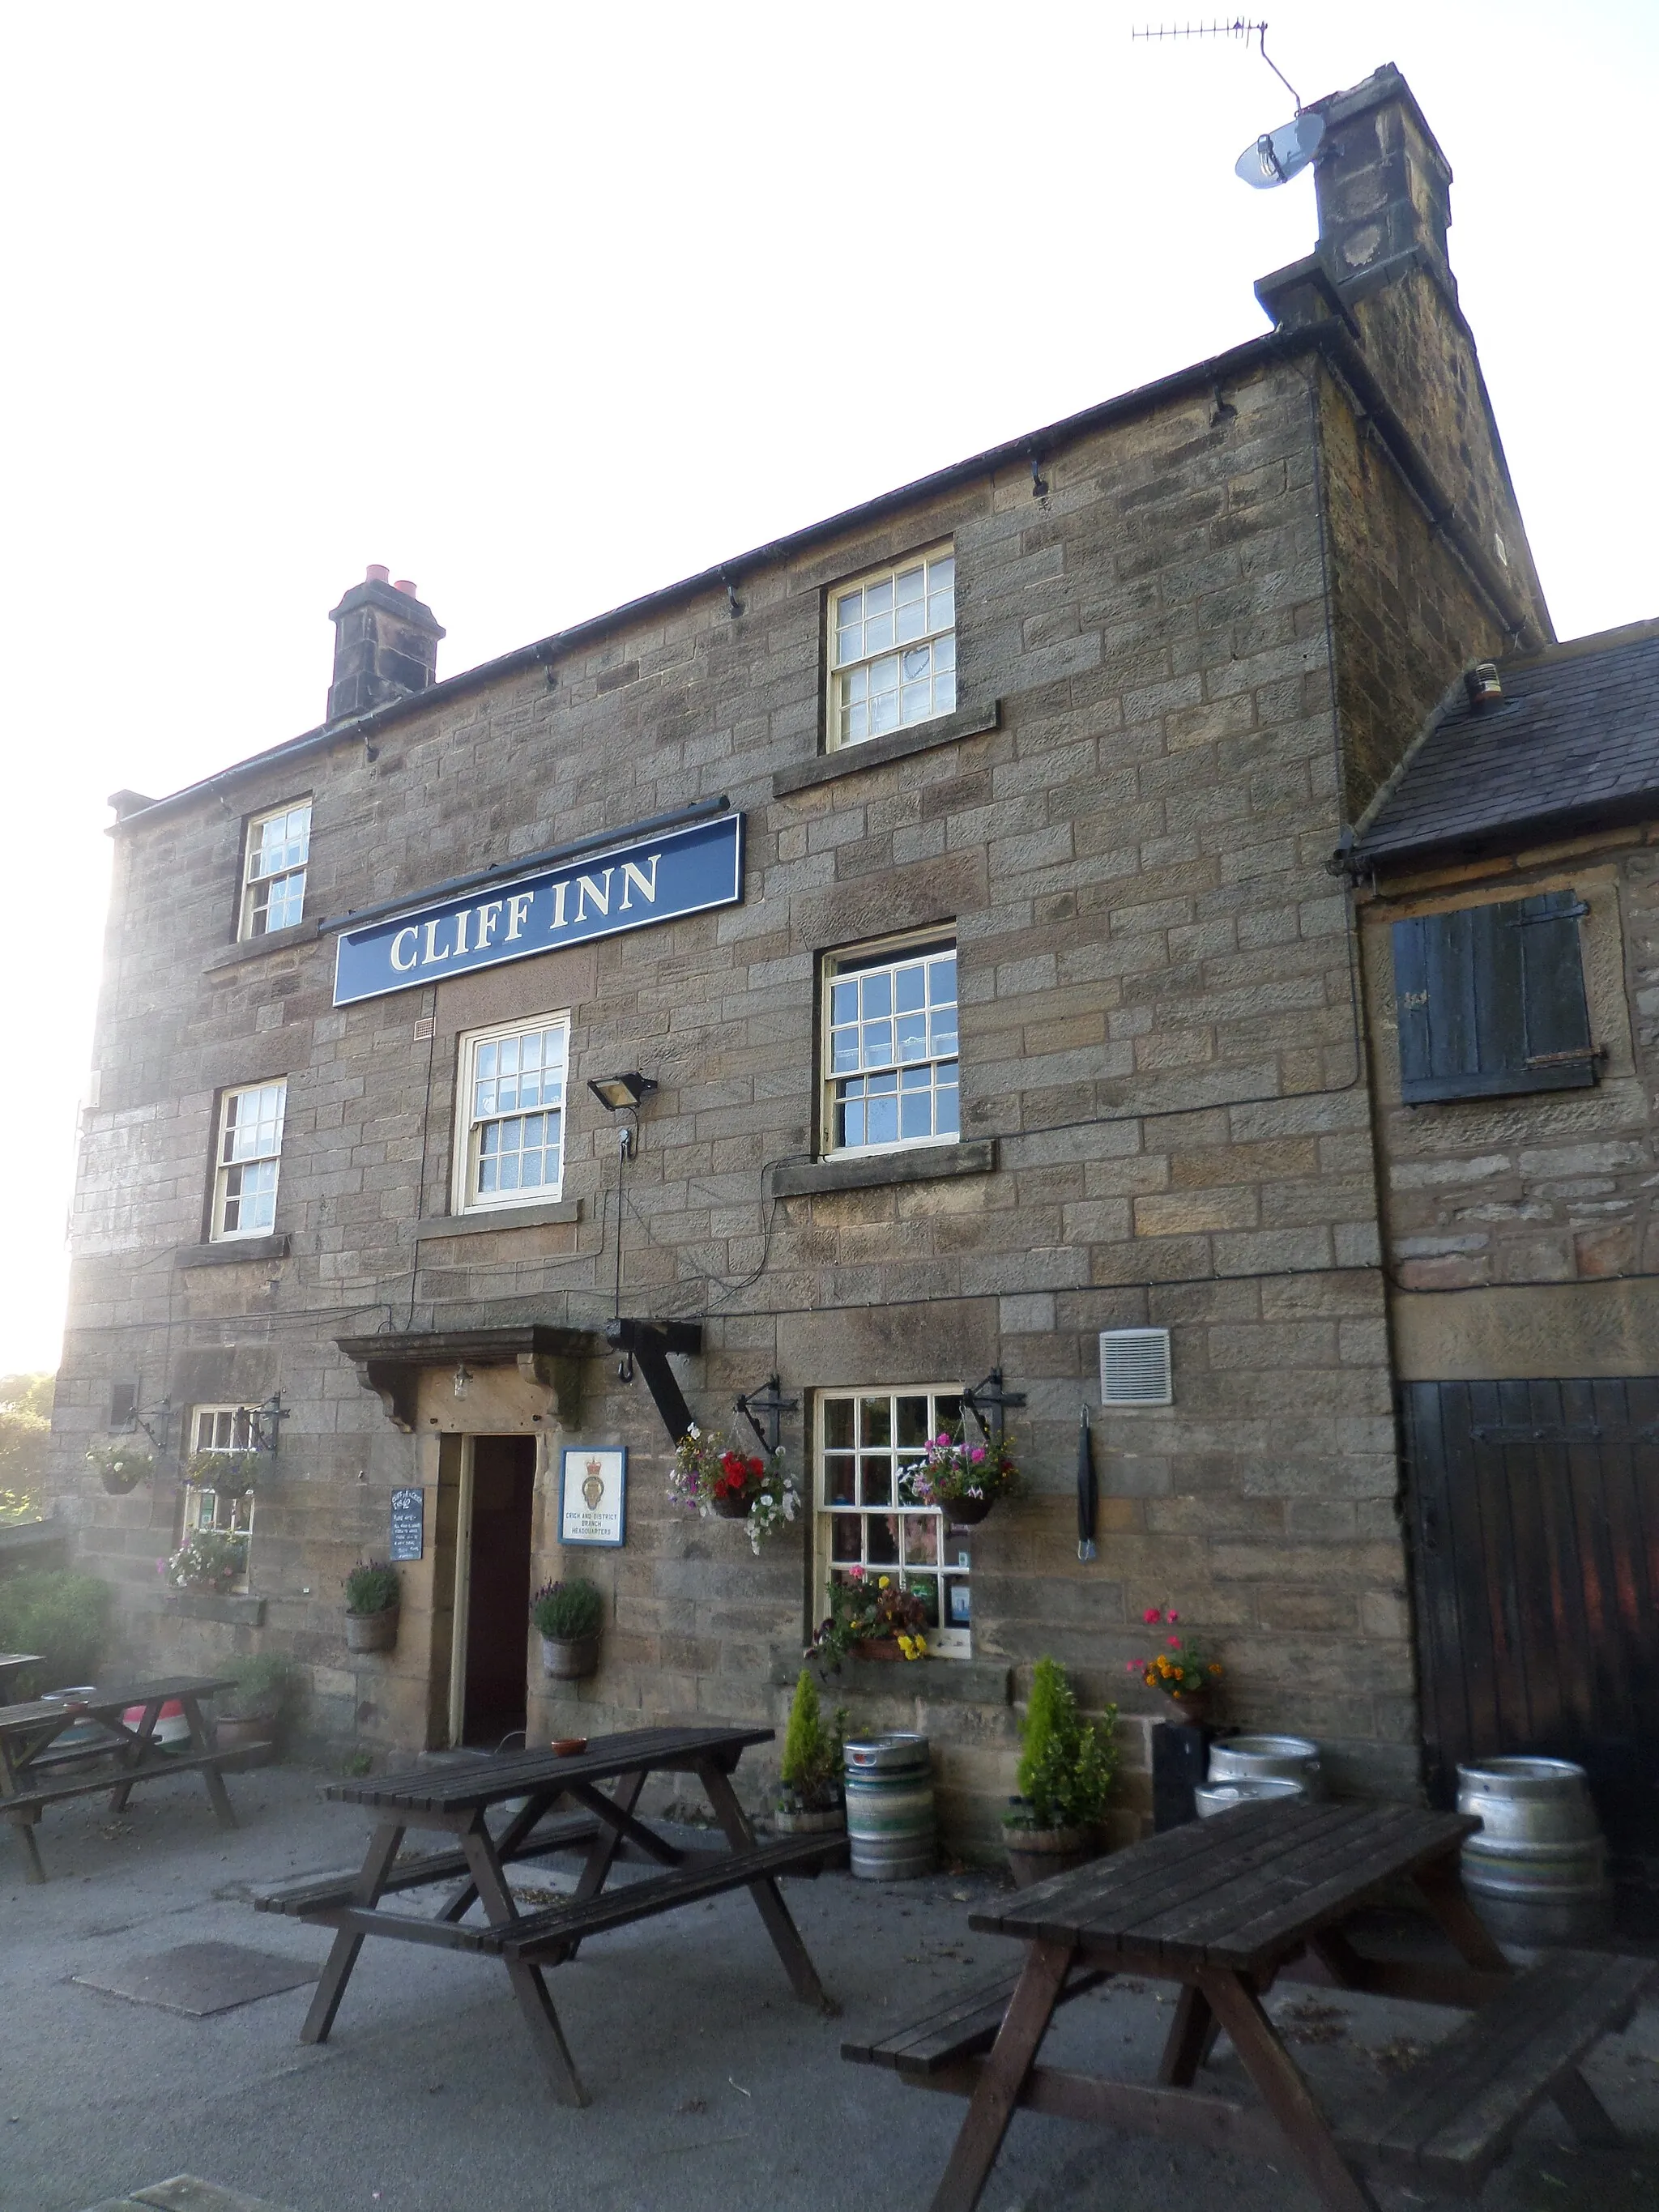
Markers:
point(953, 882)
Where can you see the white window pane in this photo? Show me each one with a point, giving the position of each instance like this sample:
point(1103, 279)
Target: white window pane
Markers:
point(945, 654)
point(915, 701)
point(942, 573)
point(878, 599)
point(945, 694)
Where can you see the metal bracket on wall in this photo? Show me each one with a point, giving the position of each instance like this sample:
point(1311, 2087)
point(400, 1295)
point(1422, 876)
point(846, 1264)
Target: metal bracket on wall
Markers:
point(649, 1343)
point(771, 1405)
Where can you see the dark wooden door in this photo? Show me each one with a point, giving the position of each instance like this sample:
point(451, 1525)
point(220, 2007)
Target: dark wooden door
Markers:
point(498, 1588)
point(1534, 1517)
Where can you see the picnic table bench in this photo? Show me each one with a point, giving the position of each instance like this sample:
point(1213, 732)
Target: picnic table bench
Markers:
point(37, 1770)
point(457, 1801)
point(1223, 1906)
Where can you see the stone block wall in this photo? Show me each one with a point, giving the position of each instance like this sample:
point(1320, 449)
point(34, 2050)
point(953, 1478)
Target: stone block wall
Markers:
point(1125, 824)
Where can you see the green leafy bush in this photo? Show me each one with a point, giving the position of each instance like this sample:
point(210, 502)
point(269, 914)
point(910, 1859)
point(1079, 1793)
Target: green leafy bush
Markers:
point(266, 1686)
point(63, 1615)
point(1066, 1765)
point(812, 1765)
point(373, 1588)
point(567, 1612)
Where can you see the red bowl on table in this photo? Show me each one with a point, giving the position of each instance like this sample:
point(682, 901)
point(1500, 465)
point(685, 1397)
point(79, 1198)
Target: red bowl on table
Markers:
point(567, 1747)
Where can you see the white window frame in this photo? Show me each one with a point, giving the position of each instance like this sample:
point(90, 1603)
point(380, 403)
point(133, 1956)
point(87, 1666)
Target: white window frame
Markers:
point(848, 656)
point(231, 1162)
point(289, 877)
point(952, 1548)
point(229, 1430)
point(465, 1197)
point(857, 963)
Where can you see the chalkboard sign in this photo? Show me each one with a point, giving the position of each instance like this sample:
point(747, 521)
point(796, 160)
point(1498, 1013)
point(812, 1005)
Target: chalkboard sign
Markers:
point(408, 1524)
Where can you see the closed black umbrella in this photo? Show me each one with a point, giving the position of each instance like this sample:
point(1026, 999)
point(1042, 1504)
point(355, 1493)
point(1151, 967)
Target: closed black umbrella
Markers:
point(1088, 1493)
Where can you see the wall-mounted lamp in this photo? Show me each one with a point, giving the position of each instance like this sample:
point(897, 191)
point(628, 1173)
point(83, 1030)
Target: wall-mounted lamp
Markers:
point(617, 1093)
point(463, 1376)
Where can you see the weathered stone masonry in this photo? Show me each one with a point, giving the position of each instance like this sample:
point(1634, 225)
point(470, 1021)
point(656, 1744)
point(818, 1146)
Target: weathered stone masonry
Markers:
point(1165, 662)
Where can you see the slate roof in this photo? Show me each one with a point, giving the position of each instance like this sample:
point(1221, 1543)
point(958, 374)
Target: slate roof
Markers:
point(1573, 744)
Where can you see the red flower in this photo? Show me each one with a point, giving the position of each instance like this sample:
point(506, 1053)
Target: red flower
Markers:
point(1152, 1613)
point(1173, 1643)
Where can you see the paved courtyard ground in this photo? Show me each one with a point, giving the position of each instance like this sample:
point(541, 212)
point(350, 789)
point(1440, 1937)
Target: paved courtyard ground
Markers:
point(713, 2090)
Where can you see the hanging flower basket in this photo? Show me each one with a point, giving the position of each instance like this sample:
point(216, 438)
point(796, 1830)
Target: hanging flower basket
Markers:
point(228, 1475)
point(121, 1466)
point(718, 1483)
point(963, 1480)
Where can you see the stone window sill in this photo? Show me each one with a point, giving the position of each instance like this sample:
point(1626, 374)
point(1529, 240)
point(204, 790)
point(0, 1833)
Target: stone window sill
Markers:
point(969, 722)
point(929, 1164)
point(434, 1225)
point(256, 948)
point(935, 1682)
point(242, 1612)
point(231, 1252)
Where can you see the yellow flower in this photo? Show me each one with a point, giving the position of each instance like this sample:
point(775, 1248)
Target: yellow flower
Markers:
point(884, 1581)
point(1215, 1666)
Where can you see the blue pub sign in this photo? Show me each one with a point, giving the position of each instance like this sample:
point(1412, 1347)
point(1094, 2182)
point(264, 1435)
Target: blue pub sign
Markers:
point(658, 878)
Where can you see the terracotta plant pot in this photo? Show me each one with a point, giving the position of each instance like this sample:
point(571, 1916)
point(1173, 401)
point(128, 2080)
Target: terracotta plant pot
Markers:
point(967, 1512)
point(248, 1735)
point(1035, 1854)
point(569, 1658)
point(1192, 1710)
point(876, 1647)
point(731, 1509)
point(372, 1631)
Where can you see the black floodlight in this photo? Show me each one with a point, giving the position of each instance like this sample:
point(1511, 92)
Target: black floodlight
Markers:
point(617, 1093)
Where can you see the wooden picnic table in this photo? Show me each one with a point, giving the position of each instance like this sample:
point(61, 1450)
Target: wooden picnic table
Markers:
point(455, 1800)
point(11, 1663)
point(37, 1770)
point(1222, 1906)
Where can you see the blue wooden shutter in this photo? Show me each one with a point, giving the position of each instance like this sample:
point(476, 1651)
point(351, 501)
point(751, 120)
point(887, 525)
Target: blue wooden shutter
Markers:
point(1491, 999)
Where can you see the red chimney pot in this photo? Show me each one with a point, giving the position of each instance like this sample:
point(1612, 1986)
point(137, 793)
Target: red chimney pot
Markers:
point(375, 573)
point(403, 584)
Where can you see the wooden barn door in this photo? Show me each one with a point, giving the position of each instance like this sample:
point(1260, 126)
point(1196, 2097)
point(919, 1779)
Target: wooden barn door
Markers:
point(1535, 1513)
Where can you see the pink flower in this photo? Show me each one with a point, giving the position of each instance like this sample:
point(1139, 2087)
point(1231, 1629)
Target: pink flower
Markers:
point(1152, 1613)
point(1172, 1616)
point(977, 1452)
point(1130, 1666)
point(1173, 1643)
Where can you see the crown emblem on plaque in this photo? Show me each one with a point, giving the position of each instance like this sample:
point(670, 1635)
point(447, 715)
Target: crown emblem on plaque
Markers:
point(593, 1487)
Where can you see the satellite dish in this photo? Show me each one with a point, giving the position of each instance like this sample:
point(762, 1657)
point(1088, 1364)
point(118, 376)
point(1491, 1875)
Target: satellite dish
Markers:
point(1279, 155)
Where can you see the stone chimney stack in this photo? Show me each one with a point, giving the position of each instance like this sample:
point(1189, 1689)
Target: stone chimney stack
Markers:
point(385, 645)
point(1384, 185)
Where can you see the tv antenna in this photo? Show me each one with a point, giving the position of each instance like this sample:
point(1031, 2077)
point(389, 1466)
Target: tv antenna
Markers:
point(1276, 155)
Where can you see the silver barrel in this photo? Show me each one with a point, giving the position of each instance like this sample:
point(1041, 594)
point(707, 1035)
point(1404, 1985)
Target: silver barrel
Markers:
point(889, 1807)
point(1213, 1797)
point(1535, 1870)
point(1268, 1758)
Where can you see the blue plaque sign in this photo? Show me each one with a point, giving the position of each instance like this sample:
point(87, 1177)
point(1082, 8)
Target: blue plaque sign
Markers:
point(407, 1523)
point(629, 887)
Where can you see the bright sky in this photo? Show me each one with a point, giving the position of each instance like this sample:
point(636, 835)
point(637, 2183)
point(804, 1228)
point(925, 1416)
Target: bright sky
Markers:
point(544, 306)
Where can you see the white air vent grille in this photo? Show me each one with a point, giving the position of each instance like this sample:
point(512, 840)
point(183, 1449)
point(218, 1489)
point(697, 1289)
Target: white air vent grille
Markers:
point(1134, 1367)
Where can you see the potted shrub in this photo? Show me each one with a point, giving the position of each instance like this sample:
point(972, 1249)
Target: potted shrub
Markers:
point(373, 1596)
point(810, 1797)
point(122, 1465)
point(1186, 1674)
point(569, 1616)
point(963, 1480)
point(250, 1714)
point(1067, 1769)
point(872, 1617)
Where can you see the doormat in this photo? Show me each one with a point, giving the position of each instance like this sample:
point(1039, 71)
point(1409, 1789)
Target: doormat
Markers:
point(198, 1979)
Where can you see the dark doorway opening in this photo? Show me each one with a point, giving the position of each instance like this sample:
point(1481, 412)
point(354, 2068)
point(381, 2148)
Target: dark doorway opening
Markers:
point(498, 1589)
point(1535, 1509)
